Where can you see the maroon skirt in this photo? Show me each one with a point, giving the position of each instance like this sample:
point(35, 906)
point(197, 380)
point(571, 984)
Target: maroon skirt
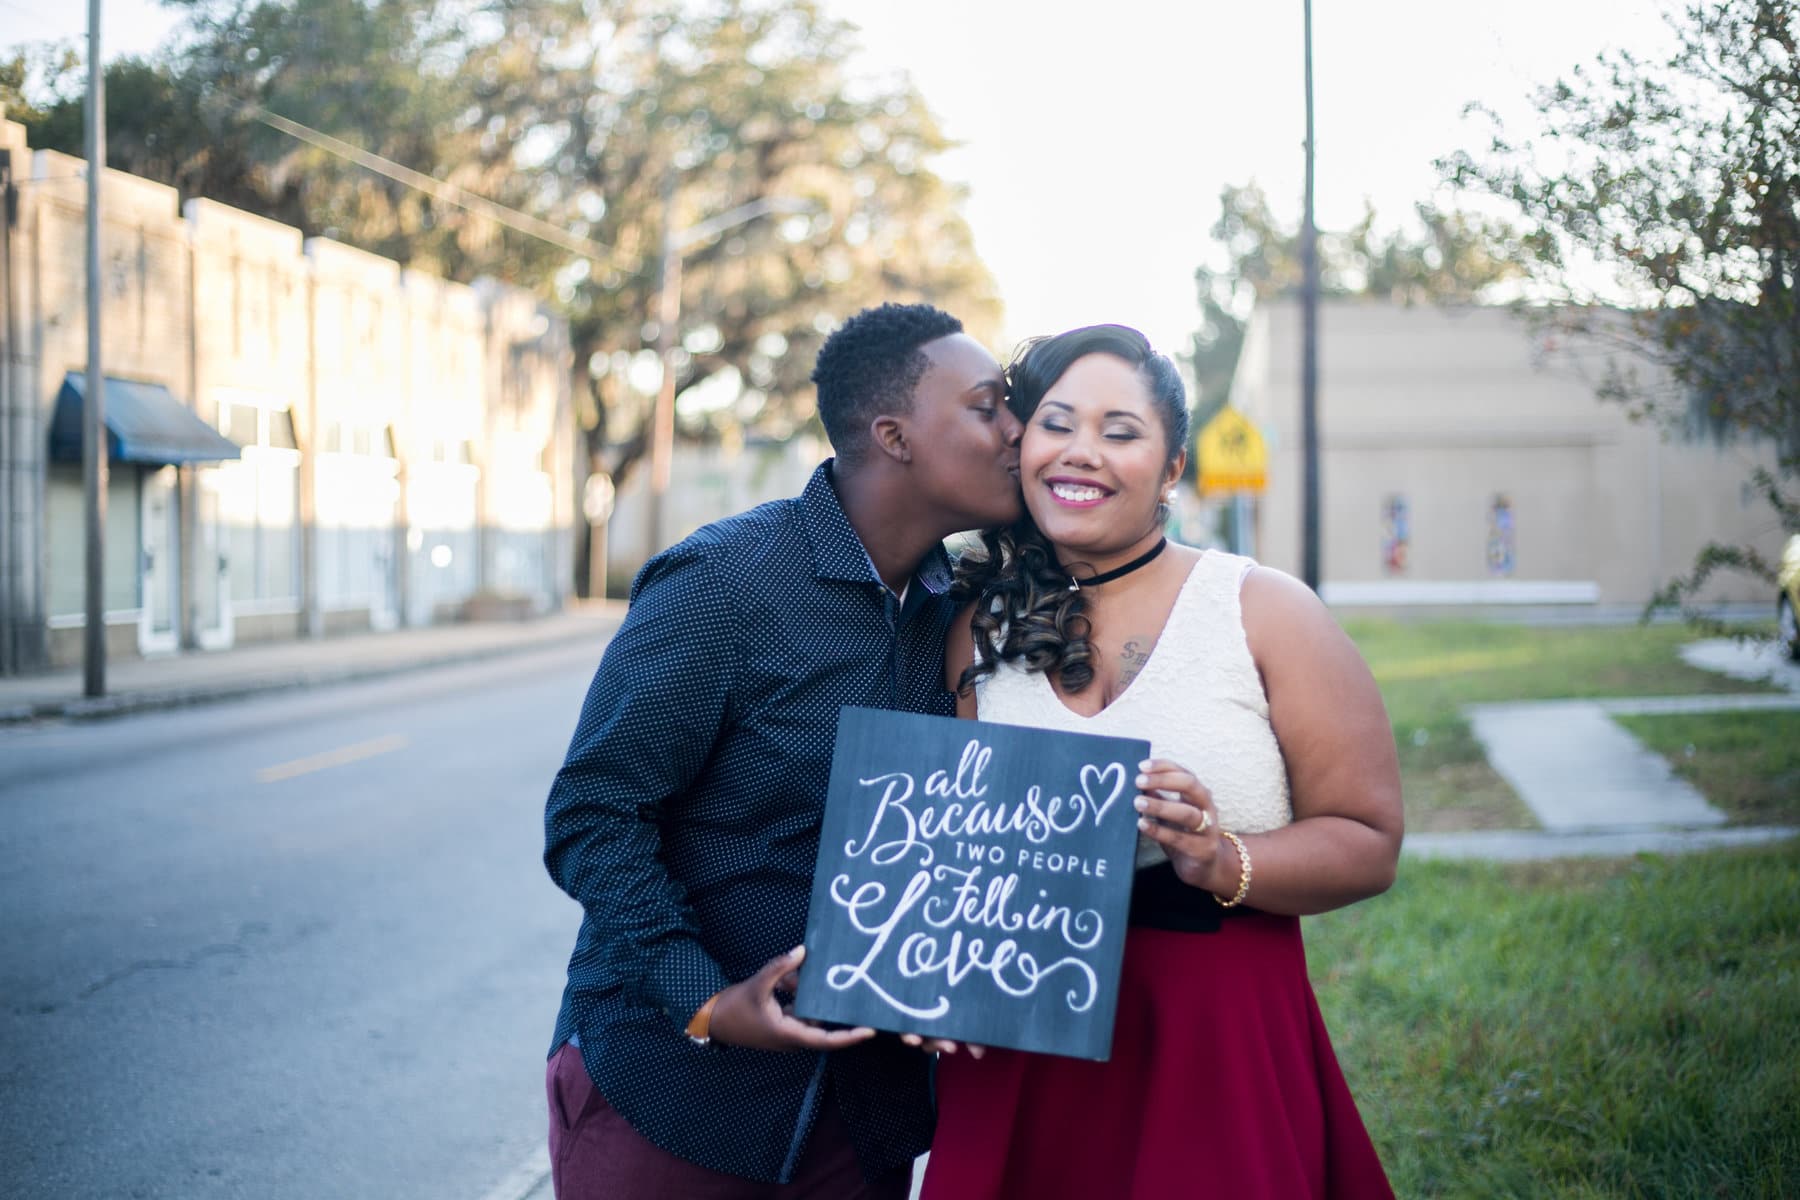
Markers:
point(1222, 1083)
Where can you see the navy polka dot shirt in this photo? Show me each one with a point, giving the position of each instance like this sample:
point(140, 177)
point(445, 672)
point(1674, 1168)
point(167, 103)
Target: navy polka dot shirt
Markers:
point(685, 821)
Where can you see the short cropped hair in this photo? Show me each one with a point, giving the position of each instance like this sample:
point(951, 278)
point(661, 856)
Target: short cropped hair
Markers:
point(870, 366)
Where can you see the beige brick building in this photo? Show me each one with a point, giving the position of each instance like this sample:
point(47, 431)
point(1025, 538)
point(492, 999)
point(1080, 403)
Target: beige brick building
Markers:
point(393, 447)
point(1465, 459)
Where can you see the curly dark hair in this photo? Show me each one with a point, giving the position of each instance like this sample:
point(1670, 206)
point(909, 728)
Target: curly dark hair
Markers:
point(870, 365)
point(1024, 607)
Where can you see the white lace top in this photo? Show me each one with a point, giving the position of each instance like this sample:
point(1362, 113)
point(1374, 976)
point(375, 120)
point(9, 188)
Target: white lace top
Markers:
point(1199, 701)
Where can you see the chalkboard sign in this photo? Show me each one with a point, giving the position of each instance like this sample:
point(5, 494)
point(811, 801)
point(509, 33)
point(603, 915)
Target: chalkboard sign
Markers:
point(973, 882)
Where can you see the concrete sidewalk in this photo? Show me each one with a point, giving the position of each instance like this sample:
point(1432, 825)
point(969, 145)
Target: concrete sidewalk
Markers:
point(1579, 771)
point(1757, 661)
point(1594, 788)
point(1535, 845)
point(200, 677)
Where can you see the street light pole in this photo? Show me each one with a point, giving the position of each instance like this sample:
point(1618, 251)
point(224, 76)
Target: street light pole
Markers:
point(668, 310)
point(93, 409)
point(1309, 349)
point(13, 425)
point(662, 426)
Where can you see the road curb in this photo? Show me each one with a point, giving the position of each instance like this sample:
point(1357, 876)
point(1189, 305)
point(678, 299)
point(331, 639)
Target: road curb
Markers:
point(525, 1180)
point(83, 708)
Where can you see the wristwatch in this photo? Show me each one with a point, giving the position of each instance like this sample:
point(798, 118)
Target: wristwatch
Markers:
point(699, 1030)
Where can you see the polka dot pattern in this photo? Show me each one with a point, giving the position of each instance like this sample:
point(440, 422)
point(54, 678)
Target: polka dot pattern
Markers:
point(685, 820)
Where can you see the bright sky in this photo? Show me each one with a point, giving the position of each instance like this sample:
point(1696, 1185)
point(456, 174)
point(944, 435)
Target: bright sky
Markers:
point(1096, 136)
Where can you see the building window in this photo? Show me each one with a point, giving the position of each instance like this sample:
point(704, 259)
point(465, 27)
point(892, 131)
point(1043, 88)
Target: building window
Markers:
point(458, 451)
point(281, 429)
point(364, 440)
point(1502, 548)
point(1396, 534)
point(241, 423)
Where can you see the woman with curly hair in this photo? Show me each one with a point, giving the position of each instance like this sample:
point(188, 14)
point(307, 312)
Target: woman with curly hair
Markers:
point(1272, 792)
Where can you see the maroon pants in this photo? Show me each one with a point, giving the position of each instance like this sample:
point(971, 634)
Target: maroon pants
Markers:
point(595, 1154)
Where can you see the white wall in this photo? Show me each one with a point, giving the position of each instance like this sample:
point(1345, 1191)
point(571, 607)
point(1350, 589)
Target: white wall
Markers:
point(1451, 407)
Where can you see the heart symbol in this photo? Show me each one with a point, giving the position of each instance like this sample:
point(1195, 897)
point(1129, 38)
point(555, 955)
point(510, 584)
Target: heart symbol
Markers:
point(1093, 778)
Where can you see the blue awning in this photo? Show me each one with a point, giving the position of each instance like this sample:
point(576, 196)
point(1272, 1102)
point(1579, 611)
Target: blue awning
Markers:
point(144, 424)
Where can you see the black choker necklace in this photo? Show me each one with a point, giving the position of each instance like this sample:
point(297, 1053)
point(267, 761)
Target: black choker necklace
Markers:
point(1120, 572)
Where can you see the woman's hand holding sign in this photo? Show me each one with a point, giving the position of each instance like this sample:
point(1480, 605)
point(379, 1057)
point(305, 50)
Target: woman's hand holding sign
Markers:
point(1176, 810)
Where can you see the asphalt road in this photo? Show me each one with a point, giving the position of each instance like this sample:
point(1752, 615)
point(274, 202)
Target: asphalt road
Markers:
point(299, 946)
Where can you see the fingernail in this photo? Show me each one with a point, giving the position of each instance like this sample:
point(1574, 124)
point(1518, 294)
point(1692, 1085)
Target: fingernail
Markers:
point(1144, 824)
point(1146, 764)
point(797, 953)
point(1143, 781)
point(1141, 804)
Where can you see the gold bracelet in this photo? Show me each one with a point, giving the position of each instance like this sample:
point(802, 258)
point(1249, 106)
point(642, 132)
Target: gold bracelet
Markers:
point(1243, 871)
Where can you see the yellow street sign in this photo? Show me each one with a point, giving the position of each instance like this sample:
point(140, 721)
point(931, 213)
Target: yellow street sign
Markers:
point(1232, 455)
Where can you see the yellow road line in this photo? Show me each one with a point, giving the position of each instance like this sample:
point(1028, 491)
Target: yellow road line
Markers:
point(331, 758)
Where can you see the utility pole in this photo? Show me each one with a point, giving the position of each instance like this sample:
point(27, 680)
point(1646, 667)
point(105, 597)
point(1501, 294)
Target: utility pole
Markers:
point(662, 423)
point(1309, 350)
point(12, 434)
point(677, 242)
point(93, 409)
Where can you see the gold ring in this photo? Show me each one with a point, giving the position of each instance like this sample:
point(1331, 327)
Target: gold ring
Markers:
point(1205, 821)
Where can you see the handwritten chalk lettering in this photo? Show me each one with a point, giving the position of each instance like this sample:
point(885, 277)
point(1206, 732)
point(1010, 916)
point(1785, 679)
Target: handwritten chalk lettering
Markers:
point(976, 852)
point(973, 882)
point(1073, 864)
point(967, 783)
point(1038, 817)
point(969, 901)
point(897, 789)
point(1013, 971)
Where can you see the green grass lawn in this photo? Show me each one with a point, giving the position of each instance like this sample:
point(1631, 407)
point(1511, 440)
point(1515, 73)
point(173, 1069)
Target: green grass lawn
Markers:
point(1587, 1029)
point(1747, 763)
point(1428, 670)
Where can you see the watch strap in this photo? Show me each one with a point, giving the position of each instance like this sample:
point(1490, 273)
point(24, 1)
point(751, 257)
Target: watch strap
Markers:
point(699, 1029)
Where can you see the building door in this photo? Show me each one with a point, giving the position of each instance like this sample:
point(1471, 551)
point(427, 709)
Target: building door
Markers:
point(443, 539)
point(159, 572)
point(212, 568)
point(384, 546)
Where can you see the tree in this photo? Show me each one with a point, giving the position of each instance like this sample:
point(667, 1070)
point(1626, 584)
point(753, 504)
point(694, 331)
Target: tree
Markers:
point(584, 113)
point(30, 69)
point(723, 103)
point(1677, 183)
point(380, 74)
point(1452, 258)
point(577, 111)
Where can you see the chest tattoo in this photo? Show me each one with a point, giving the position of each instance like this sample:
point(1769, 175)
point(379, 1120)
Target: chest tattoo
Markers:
point(1132, 657)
